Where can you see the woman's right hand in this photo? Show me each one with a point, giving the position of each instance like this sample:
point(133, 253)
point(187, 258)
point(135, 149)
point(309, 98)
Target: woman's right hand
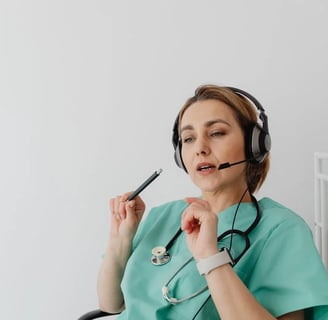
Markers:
point(124, 222)
point(125, 216)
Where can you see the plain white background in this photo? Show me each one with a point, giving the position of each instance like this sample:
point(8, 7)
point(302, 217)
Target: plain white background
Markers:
point(89, 91)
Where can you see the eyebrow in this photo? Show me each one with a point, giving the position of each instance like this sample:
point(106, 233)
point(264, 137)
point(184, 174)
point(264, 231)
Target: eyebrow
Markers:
point(208, 124)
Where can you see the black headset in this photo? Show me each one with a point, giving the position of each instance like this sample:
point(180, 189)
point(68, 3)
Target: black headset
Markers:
point(257, 137)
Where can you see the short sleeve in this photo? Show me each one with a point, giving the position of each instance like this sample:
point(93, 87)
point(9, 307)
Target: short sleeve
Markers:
point(289, 274)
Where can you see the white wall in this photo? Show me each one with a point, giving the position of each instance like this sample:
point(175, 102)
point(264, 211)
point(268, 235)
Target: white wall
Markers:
point(89, 92)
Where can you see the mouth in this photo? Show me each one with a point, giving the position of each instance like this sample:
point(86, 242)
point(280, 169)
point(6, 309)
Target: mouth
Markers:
point(205, 167)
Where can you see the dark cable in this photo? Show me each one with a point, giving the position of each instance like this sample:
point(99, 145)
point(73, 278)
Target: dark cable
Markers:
point(234, 218)
point(201, 307)
point(169, 245)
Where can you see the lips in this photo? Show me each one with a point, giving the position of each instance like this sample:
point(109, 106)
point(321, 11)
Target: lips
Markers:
point(205, 167)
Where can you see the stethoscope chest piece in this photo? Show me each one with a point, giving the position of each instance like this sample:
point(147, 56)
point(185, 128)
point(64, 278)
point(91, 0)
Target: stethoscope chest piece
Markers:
point(160, 256)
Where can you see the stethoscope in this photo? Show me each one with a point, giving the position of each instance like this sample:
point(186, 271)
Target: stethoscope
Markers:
point(161, 255)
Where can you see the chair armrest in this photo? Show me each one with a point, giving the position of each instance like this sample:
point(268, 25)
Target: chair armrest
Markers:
point(95, 314)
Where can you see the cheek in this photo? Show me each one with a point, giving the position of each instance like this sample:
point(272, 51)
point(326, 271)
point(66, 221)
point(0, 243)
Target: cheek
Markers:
point(233, 149)
point(239, 146)
point(185, 155)
point(188, 159)
point(238, 152)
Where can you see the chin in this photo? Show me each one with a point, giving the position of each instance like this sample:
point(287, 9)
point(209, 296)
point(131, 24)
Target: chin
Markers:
point(208, 188)
point(206, 184)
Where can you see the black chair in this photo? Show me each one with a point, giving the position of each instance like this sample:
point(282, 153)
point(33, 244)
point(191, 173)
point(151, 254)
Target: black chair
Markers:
point(95, 314)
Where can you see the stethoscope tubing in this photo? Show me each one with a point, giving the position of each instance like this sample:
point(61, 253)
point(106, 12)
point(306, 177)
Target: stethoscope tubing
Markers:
point(244, 234)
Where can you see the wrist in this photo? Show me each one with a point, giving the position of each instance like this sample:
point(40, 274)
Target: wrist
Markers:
point(206, 265)
point(119, 248)
point(207, 253)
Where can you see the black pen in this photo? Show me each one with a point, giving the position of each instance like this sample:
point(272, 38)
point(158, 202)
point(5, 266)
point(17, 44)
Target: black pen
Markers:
point(145, 184)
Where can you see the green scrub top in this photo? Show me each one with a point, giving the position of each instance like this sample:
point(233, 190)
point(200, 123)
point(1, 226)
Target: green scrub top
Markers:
point(282, 267)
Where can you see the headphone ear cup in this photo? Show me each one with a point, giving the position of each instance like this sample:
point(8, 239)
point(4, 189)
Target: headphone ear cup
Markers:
point(177, 156)
point(177, 145)
point(257, 144)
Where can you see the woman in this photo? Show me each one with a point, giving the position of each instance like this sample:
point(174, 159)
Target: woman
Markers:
point(230, 257)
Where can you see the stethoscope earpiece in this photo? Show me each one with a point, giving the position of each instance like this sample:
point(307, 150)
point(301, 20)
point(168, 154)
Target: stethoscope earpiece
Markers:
point(160, 256)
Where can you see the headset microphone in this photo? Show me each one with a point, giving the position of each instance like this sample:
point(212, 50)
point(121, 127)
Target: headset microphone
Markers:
point(228, 164)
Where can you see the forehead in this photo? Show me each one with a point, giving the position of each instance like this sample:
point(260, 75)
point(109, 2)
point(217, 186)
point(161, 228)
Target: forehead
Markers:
point(203, 111)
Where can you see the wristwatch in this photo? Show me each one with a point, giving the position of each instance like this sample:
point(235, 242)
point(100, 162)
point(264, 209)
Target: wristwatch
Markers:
point(205, 266)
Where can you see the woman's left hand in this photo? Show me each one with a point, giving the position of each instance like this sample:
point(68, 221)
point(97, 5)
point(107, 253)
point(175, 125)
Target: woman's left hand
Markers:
point(200, 225)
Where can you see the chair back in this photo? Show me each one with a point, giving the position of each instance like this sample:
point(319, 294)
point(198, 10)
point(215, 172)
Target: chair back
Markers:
point(321, 204)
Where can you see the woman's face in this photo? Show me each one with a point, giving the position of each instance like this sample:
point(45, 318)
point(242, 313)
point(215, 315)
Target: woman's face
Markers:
point(210, 136)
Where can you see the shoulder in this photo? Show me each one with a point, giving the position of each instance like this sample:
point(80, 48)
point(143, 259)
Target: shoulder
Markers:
point(283, 233)
point(279, 259)
point(280, 227)
point(275, 215)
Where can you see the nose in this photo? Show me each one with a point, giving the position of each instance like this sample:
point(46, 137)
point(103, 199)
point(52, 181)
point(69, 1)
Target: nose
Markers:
point(202, 147)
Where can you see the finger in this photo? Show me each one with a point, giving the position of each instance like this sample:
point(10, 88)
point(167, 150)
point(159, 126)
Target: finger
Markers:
point(190, 226)
point(195, 215)
point(121, 208)
point(190, 219)
point(130, 209)
point(139, 206)
point(113, 206)
point(125, 196)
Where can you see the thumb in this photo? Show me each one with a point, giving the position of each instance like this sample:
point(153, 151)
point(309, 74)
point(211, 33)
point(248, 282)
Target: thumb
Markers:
point(130, 209)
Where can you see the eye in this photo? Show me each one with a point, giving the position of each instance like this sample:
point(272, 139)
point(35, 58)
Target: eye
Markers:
point(187, 140)
point(217, 133)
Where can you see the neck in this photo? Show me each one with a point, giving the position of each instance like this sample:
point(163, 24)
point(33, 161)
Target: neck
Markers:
point(220, 201)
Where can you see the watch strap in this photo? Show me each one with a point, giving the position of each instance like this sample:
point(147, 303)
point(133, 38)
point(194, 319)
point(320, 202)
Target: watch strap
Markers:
point(205, 266)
